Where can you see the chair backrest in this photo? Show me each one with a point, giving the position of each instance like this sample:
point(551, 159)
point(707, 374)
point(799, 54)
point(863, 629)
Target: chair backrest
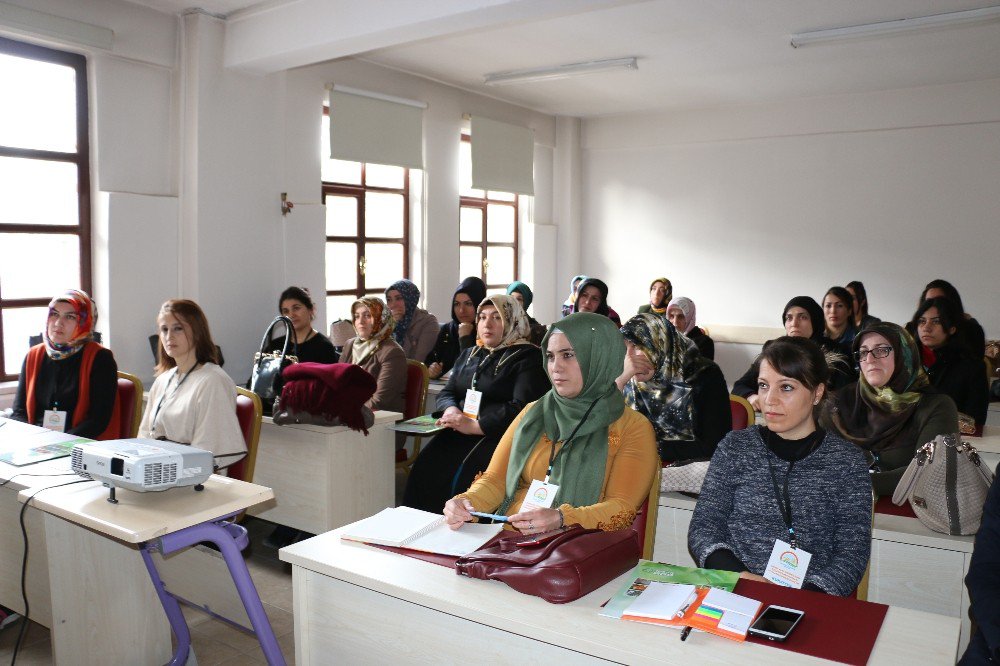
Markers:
point(417, 379)
point(645, 519)
point(249, 411)
point(743, 415)
point(129, 404)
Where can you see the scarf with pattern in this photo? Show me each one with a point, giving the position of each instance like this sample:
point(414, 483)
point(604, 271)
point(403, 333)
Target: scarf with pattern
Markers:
point(384, 323)
point(410, 294)
point(86, 314)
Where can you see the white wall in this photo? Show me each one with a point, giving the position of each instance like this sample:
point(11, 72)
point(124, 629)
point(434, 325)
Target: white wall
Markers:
point(744, 208)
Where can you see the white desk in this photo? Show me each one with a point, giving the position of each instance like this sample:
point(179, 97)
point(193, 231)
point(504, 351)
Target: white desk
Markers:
point(323, 477)
point(911, 565)
point(358, 604)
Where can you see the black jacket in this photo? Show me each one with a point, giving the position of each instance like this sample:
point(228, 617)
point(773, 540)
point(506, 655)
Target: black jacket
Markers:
point(962, 377)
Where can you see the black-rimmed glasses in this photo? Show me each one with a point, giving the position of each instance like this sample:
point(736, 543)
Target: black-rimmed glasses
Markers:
point(878, 352)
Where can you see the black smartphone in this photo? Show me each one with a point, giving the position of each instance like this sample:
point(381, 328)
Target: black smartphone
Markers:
point(776, 623)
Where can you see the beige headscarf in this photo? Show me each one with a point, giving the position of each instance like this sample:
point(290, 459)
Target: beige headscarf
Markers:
point(516, 329)
point(384, 322)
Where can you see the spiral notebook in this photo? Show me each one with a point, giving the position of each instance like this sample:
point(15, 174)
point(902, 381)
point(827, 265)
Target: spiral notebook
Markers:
point(405, 527)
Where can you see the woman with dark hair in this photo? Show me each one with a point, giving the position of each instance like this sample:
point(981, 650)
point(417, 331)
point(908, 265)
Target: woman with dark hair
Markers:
point(192, 401)
point(69, 382)
point(311, 346)
point(682, 313)
point(952, 368)
point(892, 409)
point(374, 350)
point(660, 294)
point(523, 295)
point(680, 391)
point(789, 483)
point(416, 329)
point(504, 373)
point(972, 334)
point(838, 314)
point(459, 333)
point(802, 318)
point(860, 302)
point(592, 296)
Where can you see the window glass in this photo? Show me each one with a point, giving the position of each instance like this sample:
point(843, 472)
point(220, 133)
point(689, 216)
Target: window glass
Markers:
point(383, 175)
point(500, 228)
point(341, 215)
point(500, 265)
point(38, 191)
point(471, 224)
point(19, 324)
point(470, 260)
point(44, 115)
point(383, 215)
point(20, 255)
point(341, 266)
point(382, 263)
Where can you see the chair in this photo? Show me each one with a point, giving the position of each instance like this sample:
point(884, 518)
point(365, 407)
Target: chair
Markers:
point(743, 414)
point(417, 379)
point(249, 411)
point(645, 519)
point(129, 404)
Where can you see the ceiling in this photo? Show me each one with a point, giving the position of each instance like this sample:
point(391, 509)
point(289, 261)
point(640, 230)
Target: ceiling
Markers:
point(696, 53)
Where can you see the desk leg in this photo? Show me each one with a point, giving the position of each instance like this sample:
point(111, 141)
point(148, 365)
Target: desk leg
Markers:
point(172, 608)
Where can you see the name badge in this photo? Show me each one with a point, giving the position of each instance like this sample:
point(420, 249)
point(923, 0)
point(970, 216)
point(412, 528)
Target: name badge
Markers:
point(787, 566)
point(540, 495)
point(472, 400)
point(54, 420)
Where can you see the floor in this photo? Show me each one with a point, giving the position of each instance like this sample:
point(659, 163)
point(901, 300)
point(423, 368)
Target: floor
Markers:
point(215, 642)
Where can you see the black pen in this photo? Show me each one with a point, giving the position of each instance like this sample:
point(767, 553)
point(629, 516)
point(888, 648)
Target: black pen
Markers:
point(684, 633)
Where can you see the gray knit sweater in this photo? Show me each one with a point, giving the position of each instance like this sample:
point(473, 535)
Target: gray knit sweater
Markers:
point(831, 498)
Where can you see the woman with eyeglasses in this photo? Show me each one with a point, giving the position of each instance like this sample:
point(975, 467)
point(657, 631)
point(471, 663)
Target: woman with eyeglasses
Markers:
point(892, 409)
point(69, 382)
point(489, 386)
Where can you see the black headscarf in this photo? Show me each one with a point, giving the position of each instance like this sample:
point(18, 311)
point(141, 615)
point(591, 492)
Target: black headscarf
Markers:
point(603, 308)
point(472, 287)
point(813, 309)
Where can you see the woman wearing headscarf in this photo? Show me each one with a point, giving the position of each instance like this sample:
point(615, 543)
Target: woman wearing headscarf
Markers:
point(680, 391)
point(592, 296)
point(69, 382)
point(459, 333)
point(579, 435)
point(892, 409)
point(574, 285)
point(375, 351)
point(660, 294)
point(416, 329)
point(490, 384)
point(802, 318)
point(683, 315)
point(522, 293)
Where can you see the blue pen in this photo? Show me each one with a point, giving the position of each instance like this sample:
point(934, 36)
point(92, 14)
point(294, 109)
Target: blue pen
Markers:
point(499, 519)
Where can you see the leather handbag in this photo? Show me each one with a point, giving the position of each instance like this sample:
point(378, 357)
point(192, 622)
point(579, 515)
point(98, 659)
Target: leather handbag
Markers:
point(946, 484)
point(266, 379)
point(565, 565)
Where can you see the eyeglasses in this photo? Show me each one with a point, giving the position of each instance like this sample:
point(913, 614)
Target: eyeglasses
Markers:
point(877, 352)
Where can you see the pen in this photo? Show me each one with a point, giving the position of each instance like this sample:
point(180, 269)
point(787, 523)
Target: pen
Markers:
point(498, 518)
point(684, 633)
point(687, 604)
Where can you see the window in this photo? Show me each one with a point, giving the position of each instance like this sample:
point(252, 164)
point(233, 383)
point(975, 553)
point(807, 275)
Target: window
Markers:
point(487, 236)
point(44, 189)
point(367, 229)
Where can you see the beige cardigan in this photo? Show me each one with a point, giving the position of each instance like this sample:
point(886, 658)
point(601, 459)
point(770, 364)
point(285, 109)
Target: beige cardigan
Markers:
point(388, 366)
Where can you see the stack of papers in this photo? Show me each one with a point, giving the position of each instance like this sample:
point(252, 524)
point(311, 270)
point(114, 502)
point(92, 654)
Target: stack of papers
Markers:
point(404, 527)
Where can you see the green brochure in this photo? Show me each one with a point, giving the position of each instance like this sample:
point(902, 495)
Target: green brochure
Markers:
point(646, 572)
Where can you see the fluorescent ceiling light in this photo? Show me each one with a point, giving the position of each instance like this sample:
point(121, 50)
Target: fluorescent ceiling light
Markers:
point(900, 25)
point(559, 71)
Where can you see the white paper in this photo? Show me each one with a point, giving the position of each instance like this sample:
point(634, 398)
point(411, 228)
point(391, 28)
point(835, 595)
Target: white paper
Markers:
point(661, 600)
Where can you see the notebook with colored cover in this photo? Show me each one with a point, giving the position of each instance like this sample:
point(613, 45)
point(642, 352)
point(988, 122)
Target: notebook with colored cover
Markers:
point(405, 527)
point(724, 614)
point(421, 425)
point(647, 572)
point(663, 603)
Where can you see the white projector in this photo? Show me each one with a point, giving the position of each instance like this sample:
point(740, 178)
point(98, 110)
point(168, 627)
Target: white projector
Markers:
point(142, 464)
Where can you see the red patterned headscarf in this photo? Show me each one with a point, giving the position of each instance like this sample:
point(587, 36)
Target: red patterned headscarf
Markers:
point(86, 313)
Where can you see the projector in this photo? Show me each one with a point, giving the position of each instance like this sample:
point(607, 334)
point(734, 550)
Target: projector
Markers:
point(142, 464)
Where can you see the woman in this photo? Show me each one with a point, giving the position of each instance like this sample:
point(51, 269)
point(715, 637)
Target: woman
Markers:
point(192, 401)
point(660, 294)
point(683, 393)
point(593, 297)
point(838, 313)
point(892, 409)
point(605, 469)
point(682, 314)
point(69, 382)
point(972, 334)
point(574, 284)
point(860, 303)
point(374, 350)
point(503, 372)
point(789, 482)
point(802, 318)
point(416, 329)
point(952, 369)
point(522, 294)
point(311, 346)
point(459, 333)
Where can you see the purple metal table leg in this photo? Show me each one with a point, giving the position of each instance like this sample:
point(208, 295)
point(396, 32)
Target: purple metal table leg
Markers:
point(173, 610)
point(230, 539)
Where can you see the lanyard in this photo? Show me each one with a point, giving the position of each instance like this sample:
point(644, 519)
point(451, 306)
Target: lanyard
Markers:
point(784, 506)
point(481, 366)
point(159, 405)
point(566, 442)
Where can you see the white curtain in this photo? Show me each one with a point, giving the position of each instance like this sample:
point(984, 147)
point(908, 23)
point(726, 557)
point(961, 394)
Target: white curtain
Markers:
point(502, 156)
point(367, 127)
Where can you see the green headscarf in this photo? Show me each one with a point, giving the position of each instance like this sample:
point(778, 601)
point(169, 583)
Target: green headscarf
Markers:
point(579, 468)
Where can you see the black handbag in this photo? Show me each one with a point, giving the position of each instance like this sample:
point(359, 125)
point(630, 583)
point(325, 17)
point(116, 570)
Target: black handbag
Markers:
point(266, 379)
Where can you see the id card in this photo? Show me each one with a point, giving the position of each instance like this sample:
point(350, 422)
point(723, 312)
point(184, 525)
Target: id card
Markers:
point(54, 420)
point(540, 495)
point(472, 400)
point(787, 565)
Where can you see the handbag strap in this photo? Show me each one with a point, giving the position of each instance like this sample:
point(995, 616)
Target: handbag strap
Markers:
point(289, 334)
point(912, 474)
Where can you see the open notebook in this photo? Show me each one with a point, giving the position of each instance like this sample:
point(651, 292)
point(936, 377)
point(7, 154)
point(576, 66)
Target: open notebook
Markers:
point(404, 527)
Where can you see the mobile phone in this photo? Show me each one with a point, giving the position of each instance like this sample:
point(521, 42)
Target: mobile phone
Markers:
point(776, 623)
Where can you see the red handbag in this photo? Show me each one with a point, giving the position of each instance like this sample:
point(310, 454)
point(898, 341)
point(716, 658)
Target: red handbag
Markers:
point(561, 568)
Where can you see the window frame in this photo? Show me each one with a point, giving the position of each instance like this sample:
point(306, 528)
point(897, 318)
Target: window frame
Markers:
point(80, 158)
